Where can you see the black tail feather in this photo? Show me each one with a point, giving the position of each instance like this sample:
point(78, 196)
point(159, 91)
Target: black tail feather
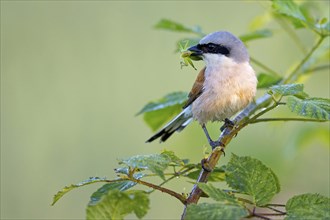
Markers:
point(163, 134)
point(177, 124)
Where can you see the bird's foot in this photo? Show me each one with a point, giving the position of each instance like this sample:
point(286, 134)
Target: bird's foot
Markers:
point(228, 124)
point(215, 144)
point(212, 143)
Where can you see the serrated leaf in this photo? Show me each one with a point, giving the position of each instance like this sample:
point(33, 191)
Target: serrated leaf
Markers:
point(287, 89)
point(217, 175)
point(156, 163)
point(300, 17)
point(159, 112)
point(266, 80)
point(263, 33)
point(116, 205)
point(121, 186)
point(308, 206)
point(218, 194)
point(215, 211)
point(67, 189)
point(317, 108)
point(251, 176)
point(174, 159)
point(173, 26)
point(291, 10)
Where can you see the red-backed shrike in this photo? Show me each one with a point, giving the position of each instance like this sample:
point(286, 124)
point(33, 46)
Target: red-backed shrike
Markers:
point(226, 85)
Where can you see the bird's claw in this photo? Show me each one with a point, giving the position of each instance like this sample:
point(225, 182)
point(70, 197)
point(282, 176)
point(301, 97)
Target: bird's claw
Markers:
point(215, 144)
point(228, 124)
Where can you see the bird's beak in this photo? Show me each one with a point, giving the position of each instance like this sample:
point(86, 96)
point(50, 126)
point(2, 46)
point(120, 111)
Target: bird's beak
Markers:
point(196, 53)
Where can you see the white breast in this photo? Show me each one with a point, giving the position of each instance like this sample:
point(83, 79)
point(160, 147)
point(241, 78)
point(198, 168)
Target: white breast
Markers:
point(228, 88)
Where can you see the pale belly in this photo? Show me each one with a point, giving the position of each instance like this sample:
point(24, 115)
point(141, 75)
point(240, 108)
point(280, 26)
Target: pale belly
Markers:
point(228, 88)
point(213, 107)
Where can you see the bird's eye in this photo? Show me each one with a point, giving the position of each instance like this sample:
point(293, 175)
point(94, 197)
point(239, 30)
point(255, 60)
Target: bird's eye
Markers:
point(211, 47)
point(214, 48)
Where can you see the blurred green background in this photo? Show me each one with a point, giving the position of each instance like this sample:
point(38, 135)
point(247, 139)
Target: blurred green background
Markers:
point(74, 73)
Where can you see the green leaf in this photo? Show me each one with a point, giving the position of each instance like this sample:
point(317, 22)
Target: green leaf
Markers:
point(263, 33)
point(215, 211)
point(116, 205)
point(187, 59)
point(250, 176)
point(266, 80)
point(159, 112)
point(300, 17)
point(185, 53)
point(318, 108)
point(173, 26)
point(67, 189)
point(291, 10)
point(188, 42)
point(287, 89)
point(174, 159)
point(171, 99)
point(217, 175)
point(121, 186)
point(218, 194)
point(156, 119)
point(308, 206)
point(156, 163)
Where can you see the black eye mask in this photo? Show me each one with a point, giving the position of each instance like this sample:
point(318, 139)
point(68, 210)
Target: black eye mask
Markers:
point(213, 48)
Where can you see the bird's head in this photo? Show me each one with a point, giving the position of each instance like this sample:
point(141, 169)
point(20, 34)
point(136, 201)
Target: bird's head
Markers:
point(217, 45)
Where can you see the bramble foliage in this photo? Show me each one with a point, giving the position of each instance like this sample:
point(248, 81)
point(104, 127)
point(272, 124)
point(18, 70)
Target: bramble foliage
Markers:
point(156, 113)
point(250, 183)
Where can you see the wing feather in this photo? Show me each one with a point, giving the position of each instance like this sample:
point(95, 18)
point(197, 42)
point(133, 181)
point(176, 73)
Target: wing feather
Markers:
point(197, 88)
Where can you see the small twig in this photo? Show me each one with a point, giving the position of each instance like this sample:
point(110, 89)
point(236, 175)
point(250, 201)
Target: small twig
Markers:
point(279, 205)
point(159, 188)
point(276, 210)
point(303, 61)
point(254, 214)
point(285, 119)
point(318, 68)
point(174, 175)
point(251, 120)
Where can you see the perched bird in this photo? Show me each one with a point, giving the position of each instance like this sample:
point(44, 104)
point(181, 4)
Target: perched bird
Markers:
point(226, 84)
